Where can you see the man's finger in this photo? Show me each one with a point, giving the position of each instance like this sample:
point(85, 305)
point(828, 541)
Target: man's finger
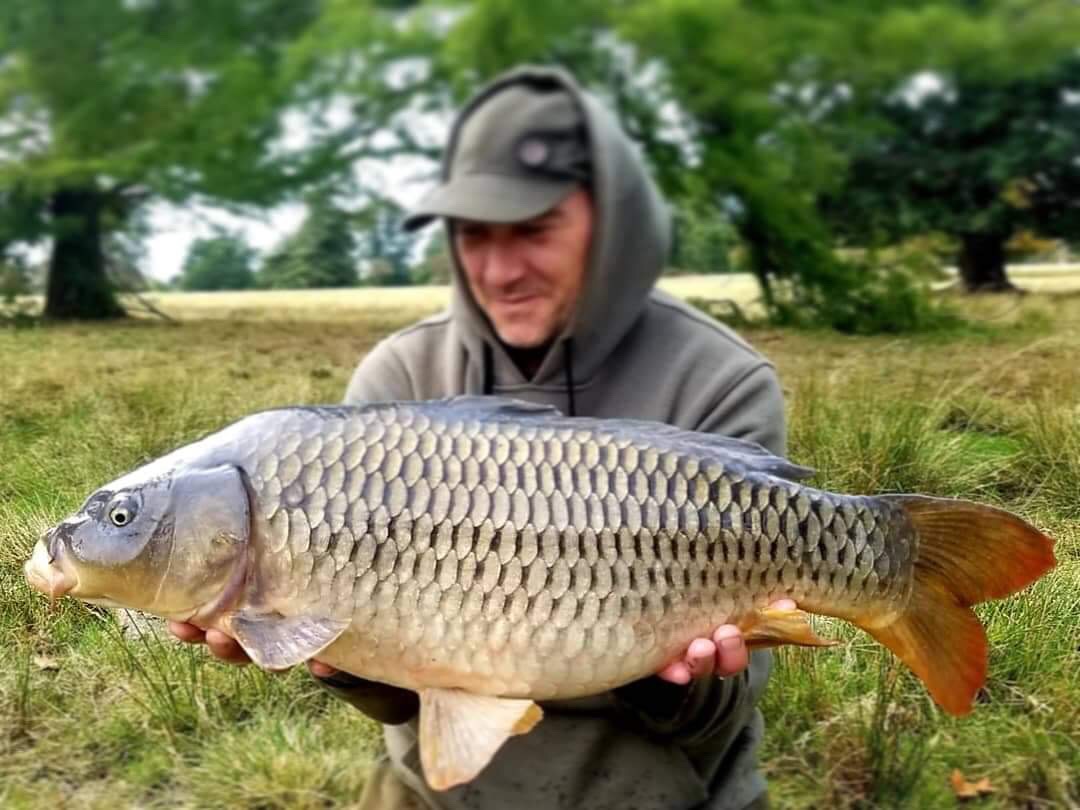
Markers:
point(187, 632)
point(783, 604)
point(701, 658)
point(226, 648)
point(732, 656)
point(675, 672)
point(321, 670)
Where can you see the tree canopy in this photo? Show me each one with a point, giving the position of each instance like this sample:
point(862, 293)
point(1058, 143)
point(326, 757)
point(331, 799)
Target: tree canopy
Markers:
point(972, 156)
point(804, 126)
point(321, 254)
point(107, 104)
point(385, 247)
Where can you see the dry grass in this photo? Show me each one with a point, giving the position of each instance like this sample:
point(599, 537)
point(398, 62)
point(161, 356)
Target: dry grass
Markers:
point(345, 304)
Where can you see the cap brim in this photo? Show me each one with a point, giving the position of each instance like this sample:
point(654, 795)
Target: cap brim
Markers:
point(490, 198)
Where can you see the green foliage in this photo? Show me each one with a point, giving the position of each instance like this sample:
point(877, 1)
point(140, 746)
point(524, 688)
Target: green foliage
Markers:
point(494, 35)
point(752, 99)
point(385, 246)
point(752, 144)
point(22, 217)
point(220, 263)
point(436, 266)
point(117, 103)
point(14, 281)
point(182, 100)
point(803, 122)
point(976, 136)
point(864, 298)
point(704, 240)
point(321, 254)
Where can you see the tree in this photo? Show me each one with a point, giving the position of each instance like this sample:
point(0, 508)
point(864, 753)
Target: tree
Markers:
point(435, 266)
point(220, 263)
point(980, 157)
point(14, 280)
point(107, 104)
point(321, 254)
point(386, 246)
point(812, 119)
point(704, 239)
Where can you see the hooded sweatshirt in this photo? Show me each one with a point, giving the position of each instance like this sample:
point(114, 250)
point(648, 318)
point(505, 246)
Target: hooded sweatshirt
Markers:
point(629, 351)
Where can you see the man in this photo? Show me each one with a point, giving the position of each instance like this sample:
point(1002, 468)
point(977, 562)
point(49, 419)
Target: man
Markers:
point(557, 236)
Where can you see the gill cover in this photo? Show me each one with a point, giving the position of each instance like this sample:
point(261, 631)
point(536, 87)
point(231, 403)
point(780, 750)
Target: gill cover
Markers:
point(209, 519)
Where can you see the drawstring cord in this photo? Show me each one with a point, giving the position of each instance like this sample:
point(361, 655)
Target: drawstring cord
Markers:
point(489, 376)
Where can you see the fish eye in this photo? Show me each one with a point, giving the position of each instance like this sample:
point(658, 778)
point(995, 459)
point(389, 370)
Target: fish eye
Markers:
point(122, 511)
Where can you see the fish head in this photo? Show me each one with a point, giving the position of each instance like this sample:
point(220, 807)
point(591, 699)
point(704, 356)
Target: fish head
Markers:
point(166, 543)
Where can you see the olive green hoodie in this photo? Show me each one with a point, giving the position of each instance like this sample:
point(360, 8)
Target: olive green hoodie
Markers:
point(629, 351)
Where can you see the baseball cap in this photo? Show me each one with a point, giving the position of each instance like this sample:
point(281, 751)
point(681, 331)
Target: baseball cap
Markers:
point(519, 153)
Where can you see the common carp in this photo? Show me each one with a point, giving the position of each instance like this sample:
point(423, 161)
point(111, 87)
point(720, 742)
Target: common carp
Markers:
point(490, 553)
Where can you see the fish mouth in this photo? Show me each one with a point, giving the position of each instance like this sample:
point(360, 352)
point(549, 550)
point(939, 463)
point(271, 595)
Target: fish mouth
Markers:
point(48, 574)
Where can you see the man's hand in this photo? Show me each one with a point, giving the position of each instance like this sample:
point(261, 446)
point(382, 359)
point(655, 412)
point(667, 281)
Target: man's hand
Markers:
point(723, 655)
point(226, 648)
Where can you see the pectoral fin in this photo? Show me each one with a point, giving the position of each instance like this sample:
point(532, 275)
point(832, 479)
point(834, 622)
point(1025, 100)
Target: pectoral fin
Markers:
point(772, 627)
point(460, 732)
point(278, 642)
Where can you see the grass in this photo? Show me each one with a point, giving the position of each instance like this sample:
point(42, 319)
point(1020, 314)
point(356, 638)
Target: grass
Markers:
point(98, 713)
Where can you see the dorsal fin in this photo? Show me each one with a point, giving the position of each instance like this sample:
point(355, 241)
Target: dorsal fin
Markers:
point(498, 406)
point(751, 454)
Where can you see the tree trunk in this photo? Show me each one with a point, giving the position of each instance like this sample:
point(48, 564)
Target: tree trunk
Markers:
point(982, 263)
point(78, 287)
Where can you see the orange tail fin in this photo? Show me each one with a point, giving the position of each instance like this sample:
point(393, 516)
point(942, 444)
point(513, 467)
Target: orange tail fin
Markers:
point(968, 553)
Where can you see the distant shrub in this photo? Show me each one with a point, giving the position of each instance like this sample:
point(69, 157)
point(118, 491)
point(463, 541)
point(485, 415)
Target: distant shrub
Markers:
point(223, 262)
point(867, 297)
point(704, 240)
point(14, 281)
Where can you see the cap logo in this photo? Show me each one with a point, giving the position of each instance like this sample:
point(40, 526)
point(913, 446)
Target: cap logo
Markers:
point(533, 152)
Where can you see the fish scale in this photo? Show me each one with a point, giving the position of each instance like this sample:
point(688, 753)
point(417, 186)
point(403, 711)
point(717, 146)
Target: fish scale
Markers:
point(588, 554)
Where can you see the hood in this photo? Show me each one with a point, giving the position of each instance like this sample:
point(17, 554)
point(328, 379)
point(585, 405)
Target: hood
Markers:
point(630, 242)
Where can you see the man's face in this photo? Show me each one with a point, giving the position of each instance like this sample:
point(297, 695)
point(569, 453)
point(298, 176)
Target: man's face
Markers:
point(527, 276)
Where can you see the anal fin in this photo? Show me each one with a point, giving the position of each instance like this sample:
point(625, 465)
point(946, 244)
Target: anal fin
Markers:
point(460, 732)
point(772, 627)
point(278, 642)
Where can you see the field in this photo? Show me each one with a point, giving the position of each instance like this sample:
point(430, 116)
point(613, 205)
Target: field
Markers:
point(95, 713)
